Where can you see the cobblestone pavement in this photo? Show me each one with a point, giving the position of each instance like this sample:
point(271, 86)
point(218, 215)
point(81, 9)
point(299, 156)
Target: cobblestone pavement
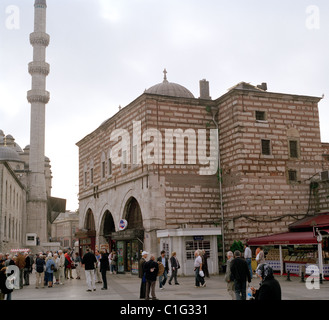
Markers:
point(126, 287)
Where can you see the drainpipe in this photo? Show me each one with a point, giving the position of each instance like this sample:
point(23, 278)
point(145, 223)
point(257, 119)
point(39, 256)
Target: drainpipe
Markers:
point(214, 111)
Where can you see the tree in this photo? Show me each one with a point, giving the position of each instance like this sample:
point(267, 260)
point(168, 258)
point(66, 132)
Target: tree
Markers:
point(237, 245)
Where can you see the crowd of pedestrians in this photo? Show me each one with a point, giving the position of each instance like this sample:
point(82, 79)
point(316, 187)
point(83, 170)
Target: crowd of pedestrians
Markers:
point(150, 269)
point(54, 268)
point(239, 275)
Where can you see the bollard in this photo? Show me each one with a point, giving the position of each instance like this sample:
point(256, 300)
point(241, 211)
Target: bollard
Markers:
point(321, 282)
point(288, 276)
point(302, 278)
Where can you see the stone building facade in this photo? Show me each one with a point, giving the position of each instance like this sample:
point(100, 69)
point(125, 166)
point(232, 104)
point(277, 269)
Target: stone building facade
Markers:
point(14, 195)
point(147, 165)
point(271, 153)
point(64, 228)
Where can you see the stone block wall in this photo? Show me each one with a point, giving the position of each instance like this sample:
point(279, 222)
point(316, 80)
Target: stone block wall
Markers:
point(259, 198)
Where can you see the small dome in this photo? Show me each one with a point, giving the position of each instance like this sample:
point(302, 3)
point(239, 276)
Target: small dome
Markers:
point(9, 154)
point(170, 89)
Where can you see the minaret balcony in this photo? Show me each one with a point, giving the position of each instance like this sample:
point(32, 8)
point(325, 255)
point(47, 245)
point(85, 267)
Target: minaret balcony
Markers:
point(40, 38)
point(35, 95)
point(39, 67)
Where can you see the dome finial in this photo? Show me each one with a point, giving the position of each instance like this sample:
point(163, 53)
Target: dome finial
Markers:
point(165, 75)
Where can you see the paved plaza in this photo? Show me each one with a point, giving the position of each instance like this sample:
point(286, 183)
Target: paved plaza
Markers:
point(126, 287)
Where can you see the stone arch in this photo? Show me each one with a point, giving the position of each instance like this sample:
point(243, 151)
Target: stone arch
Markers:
point(89, 223)
point(107, 225)
point(133, 214)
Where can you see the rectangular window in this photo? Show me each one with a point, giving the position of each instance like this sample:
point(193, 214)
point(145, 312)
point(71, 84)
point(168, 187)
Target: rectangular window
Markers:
point(110, 166)
point(103, 169)
point(292, 175)
point(192, 245)
point(293, 149)
point(261, 115)
point(91, 175)
point(85, 179)
point(266, 147)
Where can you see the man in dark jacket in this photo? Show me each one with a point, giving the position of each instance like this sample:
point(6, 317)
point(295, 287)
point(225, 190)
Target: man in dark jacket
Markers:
point(27, 269)
point(151, 269)
point(104, 266)
point(142, 262)
point(240, 274)
point(164, 260)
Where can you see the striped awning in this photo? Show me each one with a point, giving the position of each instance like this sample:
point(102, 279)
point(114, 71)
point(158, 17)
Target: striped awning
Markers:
point(20, 250)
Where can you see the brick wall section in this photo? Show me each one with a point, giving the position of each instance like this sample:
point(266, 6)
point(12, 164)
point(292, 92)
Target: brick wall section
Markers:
point(256, 186)
point(189, 198)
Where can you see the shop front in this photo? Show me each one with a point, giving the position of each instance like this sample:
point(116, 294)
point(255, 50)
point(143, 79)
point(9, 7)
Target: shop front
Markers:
point(296, 251)
point(129, 245)
point(87, 239)
point(186, 241)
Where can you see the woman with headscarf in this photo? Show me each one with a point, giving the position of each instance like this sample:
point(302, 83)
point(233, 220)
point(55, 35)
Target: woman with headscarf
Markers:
point(270, 288)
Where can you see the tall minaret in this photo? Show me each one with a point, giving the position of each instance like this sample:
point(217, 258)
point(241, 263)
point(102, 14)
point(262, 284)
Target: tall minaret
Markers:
point(38, 97)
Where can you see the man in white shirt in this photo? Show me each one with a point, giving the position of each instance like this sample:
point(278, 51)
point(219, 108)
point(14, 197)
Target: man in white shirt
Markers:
point(197, 268)
point(248, 255)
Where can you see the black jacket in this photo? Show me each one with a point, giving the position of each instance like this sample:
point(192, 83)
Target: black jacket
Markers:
point(151, 269)
point(167, 264)
point(174, 263)
point(39, 265)
point(240, 270)
point(104, 262)
point(89, 261)
point(141, 271)
point(269, 290)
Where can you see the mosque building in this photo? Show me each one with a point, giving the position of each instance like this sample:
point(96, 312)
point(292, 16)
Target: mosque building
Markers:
point(26, 206)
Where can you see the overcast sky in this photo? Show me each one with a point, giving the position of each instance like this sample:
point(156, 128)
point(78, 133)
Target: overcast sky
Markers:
point(105, 53)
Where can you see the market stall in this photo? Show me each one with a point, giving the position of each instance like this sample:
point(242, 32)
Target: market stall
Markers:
point(292, 251)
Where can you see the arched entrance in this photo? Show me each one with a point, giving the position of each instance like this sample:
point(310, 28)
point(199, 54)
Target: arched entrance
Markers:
point(107, 227)
point(87, 236)
point(129, 243)
point(133, 214)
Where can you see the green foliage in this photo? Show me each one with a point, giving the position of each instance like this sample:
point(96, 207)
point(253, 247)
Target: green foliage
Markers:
point(237, 245)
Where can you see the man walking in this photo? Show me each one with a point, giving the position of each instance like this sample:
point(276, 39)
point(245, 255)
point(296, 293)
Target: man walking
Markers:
point(89, 261)
point(240, 275)
point(151, 269)
point(227, 278)
point(163, 278)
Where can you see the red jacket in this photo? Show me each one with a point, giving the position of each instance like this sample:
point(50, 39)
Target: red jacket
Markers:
point(68, 258)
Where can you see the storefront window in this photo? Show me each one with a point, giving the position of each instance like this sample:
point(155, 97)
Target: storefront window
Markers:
point(192, 245)
point(120, 253)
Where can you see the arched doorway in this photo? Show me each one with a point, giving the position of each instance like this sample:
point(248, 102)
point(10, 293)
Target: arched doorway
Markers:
point(129, 243)
point(87, 236)
point(107, 227)
point(133, 214)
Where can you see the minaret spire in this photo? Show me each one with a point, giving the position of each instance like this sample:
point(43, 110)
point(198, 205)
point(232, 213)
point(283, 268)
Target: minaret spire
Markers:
point(38, 97)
